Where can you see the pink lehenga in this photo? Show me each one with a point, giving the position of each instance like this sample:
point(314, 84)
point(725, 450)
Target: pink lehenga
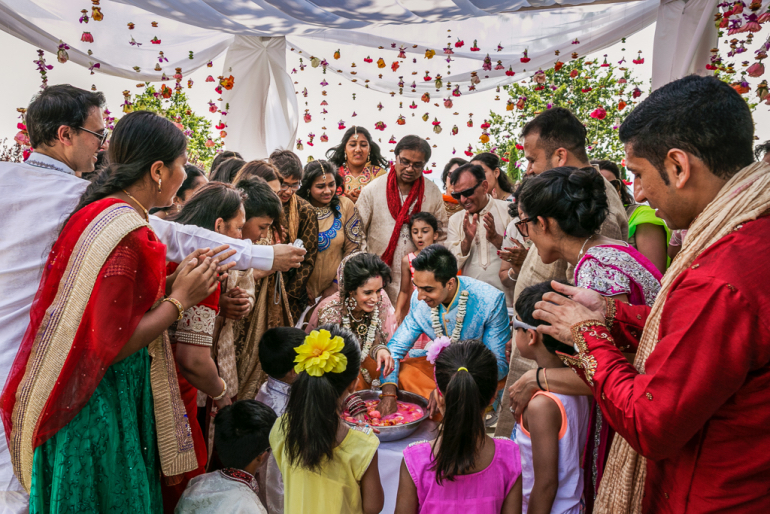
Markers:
point(611, 270)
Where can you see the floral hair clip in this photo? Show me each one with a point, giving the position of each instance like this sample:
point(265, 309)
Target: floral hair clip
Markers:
point(435, 348)
point(320, 353)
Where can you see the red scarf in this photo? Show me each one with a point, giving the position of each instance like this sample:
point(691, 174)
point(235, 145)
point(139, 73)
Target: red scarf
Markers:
point(401, 212)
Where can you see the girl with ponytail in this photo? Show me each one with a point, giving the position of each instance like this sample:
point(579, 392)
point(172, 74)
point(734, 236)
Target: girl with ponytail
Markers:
point(463, 470)
point(326, 466)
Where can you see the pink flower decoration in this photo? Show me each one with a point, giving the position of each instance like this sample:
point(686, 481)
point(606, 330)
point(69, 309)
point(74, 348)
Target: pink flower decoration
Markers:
point(599, 114)
point(435, 348)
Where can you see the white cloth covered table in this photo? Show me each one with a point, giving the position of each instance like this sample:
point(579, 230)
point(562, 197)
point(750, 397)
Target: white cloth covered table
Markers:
point(389, 458)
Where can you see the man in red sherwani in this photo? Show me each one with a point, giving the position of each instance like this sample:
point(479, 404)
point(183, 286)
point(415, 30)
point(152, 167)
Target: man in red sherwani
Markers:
point(695, 405)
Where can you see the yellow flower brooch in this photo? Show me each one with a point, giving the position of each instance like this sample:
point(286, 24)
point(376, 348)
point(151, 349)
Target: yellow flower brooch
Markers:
point(320, 353)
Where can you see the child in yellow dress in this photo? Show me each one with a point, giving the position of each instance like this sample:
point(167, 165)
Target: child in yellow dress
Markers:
point(326, 466)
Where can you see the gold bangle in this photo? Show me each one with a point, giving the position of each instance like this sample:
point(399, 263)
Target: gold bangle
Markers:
point(545, 377)
point(177, 304)
point(224, 391)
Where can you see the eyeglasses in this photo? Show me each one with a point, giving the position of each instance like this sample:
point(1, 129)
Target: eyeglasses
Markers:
point(467, 193)
point(416, 166)
point(102, 137)
point(520, 324)
point(286, 186)
point(522, 226)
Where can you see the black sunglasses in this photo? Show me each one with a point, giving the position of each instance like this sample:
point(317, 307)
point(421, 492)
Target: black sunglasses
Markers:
point(467, 193)
point(522, 226)
point(102, 137)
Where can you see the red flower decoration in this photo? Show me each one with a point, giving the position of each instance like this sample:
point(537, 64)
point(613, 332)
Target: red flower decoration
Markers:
point(558, 65)
point(599, 113)
point(510, 71)
point(87, 37)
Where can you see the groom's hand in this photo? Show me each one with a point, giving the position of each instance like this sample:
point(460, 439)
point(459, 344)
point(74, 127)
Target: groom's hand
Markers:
point(388, 404)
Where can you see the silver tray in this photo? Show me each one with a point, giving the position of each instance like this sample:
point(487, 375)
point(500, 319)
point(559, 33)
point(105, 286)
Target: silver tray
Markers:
point(396, 432)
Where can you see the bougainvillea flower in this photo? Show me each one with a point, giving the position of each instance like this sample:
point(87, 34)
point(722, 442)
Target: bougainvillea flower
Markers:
point(599, 113)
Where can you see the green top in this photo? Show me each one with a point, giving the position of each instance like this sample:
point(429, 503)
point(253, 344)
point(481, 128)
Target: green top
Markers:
point(646, 214)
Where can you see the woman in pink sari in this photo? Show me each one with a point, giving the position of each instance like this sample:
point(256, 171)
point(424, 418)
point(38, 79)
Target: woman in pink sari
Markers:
point(561, 211)
point(362, 307)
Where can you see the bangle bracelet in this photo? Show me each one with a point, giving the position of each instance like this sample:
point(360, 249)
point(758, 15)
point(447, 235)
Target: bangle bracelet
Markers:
point(545, 378)
point(376, 350)
point(177, 304)
point(509, 275)
point(387, 395)
point(537, 377)
point(224, 391)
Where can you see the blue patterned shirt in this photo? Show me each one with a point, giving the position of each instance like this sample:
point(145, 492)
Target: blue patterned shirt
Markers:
point(486, 318)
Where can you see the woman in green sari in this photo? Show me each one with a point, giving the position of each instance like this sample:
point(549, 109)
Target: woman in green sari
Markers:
point(91, 406)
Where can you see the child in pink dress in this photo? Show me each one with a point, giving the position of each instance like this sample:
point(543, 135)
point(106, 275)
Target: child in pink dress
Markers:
point(463, 471)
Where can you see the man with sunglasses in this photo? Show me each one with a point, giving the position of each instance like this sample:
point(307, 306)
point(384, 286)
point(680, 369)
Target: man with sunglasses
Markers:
point(553, 139)
point(387, 203)
point(66, 130)
point(476, 234)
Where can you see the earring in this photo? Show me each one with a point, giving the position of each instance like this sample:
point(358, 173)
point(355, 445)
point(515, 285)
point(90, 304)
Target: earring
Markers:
point(351, 303)
point(159, 183)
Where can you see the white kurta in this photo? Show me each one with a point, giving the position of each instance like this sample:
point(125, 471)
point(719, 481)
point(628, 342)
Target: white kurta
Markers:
point(378, 224)
point(36, 201)
point(482, 261)
point(213, 493)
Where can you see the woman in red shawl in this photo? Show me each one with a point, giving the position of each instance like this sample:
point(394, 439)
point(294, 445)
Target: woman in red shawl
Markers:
point(90, 408)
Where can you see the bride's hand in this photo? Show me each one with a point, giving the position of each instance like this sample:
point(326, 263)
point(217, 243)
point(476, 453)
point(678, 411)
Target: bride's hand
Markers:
point(385, 362)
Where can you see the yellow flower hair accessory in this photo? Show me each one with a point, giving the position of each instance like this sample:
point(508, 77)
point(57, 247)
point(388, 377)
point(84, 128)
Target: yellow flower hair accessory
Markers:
point(320, 353)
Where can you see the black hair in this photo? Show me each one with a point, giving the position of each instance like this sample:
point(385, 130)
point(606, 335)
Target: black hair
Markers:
point(444, 174)
point(360, 268)
point(336, 155)
point(276, 350)
point(243, 432)
point(210, 202)
point(314, 170)
point(700, 115)
point(222, 157)
point(413, 142)
point(492, 162)
point(525, 308)
point(575, 198)
point(140, 139)
point(558, 128)
point(761, 150)
point(438, 260)
point(617, 183)
point(193, 172)
point(257, 168)
point(425, 217)
point(287, 163)
point(312, 412)
point(227, 171)
point(259, 199)
point(467, 394)
point(513, 208)
point(59, 105)
point(474, 169)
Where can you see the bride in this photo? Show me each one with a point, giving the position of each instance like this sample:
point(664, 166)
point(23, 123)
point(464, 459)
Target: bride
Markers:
point(361, 306)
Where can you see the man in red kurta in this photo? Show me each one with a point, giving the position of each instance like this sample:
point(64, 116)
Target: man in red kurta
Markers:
point(699, 410)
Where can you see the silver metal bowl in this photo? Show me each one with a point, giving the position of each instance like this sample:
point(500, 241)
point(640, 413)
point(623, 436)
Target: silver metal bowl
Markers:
point(396, 432)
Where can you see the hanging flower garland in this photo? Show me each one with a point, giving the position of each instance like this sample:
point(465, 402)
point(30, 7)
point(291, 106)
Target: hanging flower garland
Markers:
point(438, 329)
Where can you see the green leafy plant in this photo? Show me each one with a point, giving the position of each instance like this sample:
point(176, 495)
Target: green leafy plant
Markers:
point(201, 146)
point(599, 93)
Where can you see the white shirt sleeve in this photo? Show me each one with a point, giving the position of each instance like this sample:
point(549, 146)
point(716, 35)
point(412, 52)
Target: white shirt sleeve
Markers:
point(182, 240)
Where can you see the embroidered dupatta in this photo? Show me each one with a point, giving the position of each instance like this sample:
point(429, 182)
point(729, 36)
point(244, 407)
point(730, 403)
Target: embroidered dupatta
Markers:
point(105, 271)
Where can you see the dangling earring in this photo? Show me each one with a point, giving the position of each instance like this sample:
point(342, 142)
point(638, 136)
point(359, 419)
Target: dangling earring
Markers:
point(160, 180)
point(351, 303)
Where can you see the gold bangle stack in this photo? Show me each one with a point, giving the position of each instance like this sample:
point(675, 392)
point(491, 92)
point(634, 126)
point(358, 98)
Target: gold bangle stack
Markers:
point(224, 391)
point(177, 304)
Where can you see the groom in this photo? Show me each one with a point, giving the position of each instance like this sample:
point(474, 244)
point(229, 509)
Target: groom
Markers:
point(437, 307)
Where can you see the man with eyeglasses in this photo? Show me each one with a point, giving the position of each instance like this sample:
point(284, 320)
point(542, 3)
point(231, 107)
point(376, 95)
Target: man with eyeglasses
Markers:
point(552, 139)
point(476, 234)
point(387, 203)
point(66, 130)
point(299, 222)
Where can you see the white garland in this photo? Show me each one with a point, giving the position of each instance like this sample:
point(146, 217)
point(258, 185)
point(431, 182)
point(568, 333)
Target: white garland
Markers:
point(438, 329)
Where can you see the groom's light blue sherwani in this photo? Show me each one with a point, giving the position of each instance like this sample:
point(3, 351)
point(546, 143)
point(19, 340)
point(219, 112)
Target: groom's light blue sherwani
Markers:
point(486, 318)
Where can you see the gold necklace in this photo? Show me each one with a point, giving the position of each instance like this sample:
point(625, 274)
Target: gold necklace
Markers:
point(146, 212)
